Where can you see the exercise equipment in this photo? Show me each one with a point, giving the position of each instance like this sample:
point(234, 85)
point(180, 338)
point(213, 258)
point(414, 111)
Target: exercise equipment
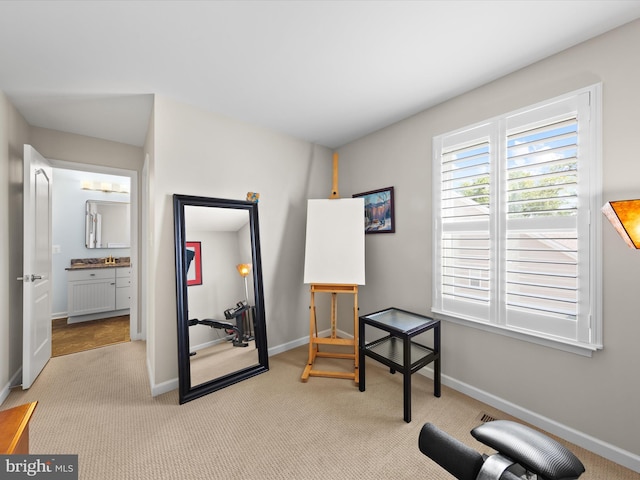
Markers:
point(522, 453)
point(237, 330)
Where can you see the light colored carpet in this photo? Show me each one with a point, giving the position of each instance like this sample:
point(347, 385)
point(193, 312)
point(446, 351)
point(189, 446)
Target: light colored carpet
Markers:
point(97, 404)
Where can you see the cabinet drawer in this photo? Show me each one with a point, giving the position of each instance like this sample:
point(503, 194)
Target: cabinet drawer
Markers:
point(123, 272)
point(90, 274)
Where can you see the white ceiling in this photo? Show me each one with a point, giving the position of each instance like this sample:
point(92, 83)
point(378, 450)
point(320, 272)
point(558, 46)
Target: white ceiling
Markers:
point(323, 71)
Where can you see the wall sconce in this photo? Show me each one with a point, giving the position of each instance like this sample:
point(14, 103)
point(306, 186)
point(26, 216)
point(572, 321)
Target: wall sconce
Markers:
point(624, 215)
point(104, 187)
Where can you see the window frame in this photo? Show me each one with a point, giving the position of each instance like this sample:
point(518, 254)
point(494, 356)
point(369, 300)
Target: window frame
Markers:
point(497, 131)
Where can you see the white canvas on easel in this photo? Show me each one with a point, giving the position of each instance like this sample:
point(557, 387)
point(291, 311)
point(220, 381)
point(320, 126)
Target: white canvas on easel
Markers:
point(334, 250)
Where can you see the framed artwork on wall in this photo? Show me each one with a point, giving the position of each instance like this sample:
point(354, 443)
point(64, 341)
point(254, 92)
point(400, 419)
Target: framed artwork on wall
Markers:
point(194, 263)
point(378, 211)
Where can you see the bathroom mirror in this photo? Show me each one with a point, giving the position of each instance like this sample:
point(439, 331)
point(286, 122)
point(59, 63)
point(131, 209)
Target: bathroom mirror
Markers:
point(220, 306)
point(107, 224)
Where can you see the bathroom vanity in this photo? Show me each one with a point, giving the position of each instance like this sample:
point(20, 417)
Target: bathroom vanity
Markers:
point(98, 290)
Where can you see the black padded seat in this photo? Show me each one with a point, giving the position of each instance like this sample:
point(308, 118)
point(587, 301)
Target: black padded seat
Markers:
point(531, 449)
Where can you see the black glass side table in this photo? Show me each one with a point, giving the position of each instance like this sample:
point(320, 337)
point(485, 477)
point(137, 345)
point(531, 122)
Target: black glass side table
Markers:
point(397, 351)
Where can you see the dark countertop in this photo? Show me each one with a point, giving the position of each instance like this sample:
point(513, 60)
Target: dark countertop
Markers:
point(87, 266)
point(88, 263)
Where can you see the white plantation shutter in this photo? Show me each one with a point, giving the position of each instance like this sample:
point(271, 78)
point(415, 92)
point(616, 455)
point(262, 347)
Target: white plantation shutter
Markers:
point(465, 208)
point(513, 232)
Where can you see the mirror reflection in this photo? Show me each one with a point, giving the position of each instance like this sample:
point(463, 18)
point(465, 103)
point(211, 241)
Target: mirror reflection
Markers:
point(107, 224)
point(220, 305)
point(220, 311)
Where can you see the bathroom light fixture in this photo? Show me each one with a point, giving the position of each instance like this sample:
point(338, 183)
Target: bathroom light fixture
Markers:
point(624, 215)
point(104, 187)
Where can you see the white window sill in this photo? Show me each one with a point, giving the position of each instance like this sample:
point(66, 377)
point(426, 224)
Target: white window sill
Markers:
point(583, 349)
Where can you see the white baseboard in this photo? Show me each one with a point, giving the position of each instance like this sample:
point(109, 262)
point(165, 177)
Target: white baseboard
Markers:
point(611, 452)
point(136, 336)
point(164, 387)
point(293, 344)
point(217, 341)
point(4, 393)
point(14, 381)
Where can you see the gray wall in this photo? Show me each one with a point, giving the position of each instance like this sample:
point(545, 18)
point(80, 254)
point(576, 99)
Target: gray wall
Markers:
point(199, 153)
point(88, 150)
point(598, 396)
point(14, 133)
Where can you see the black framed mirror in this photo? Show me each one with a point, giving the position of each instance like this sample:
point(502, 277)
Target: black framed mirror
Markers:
point(222, 336)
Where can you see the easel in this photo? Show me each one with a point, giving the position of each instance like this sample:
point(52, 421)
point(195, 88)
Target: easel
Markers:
point(332, 339)
point(314, 340)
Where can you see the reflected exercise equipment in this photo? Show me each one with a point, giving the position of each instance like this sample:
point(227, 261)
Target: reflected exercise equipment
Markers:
point(237, 313)
point(212, 237)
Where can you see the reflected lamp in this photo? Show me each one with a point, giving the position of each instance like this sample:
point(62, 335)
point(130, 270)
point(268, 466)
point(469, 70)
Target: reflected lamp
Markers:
point(624, 215)
point(243, 270)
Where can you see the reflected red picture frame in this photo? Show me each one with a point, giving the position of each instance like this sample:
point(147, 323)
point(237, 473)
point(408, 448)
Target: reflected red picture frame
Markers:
point(194, 272)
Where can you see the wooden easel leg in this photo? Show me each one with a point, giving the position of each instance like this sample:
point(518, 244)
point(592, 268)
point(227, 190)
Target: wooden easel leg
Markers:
point(313, 333)
point(334, 315)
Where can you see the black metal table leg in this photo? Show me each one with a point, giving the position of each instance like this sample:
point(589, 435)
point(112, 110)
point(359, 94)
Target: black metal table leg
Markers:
point(406, 381)
point(361, 355)
point(436, 367)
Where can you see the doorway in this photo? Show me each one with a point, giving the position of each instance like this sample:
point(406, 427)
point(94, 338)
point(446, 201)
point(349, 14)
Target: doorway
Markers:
point(69, 214)
point(68, 338)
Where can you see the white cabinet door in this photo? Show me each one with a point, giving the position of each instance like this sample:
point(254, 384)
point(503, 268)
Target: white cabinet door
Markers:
point(123, 298)
point(91, 291)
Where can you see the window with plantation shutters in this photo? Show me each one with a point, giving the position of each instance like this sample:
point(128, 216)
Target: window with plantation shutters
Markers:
point(515, 208)
point(465, 214)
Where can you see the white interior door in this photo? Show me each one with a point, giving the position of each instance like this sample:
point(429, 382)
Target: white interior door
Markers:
point(36, 343)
